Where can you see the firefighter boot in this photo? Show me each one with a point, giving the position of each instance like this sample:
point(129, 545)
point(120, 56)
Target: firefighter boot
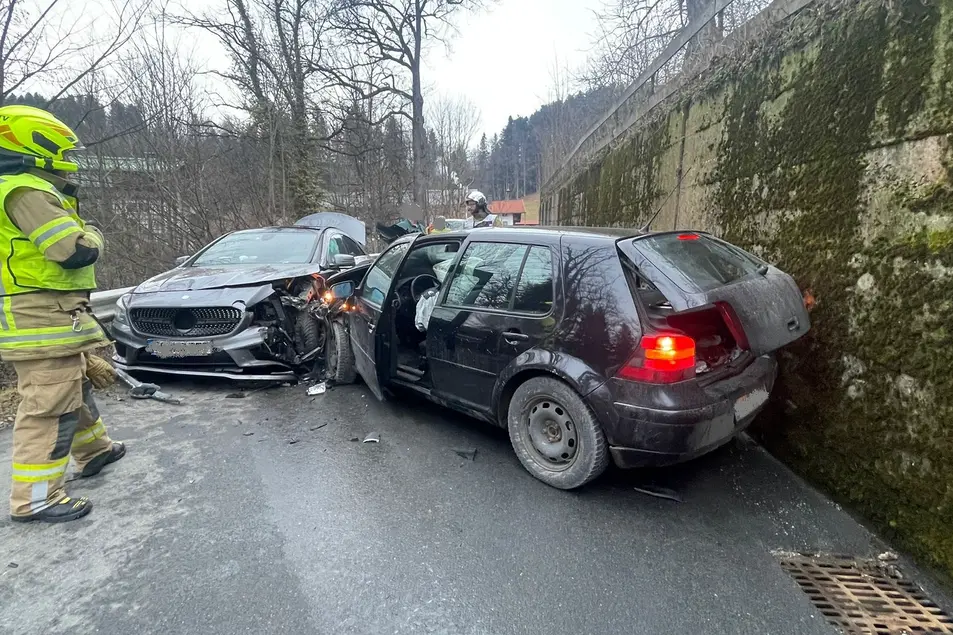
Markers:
point(92, 448)
point(62, 511)
point(100, 461)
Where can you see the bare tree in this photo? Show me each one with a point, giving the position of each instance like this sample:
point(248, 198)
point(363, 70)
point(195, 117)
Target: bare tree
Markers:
point(40, 45)
point(394, 34)
point(631, 34)
point(454, 122)
point(278, 50)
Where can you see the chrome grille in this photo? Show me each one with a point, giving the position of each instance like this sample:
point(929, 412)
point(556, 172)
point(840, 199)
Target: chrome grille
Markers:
point(185, 323)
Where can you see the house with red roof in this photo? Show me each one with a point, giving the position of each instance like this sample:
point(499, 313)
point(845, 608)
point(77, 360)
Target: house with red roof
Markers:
point(510, 211)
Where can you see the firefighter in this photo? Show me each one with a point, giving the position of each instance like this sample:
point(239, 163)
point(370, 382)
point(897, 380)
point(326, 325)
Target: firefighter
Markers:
point(46, 329)
point(438, 226)
point(480, 215)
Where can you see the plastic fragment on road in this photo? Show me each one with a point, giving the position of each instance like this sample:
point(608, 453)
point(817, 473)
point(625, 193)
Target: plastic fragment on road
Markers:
point(659, 492)
point(372, 437)
point(467, 453)
point(318, 427)
point(317, 389)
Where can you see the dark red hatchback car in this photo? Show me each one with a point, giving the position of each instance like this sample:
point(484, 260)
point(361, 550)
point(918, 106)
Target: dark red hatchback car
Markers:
point(588, 345)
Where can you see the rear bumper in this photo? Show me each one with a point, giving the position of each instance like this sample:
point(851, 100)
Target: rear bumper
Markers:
point(233, 357)
point(649, 437)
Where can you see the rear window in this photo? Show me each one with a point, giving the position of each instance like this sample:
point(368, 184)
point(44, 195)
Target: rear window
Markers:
point(695, 262)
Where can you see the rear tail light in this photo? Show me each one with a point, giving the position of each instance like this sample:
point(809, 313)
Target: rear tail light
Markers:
point(661, 359)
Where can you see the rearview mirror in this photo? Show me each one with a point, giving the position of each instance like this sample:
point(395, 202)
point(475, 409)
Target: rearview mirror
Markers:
point(342, 290)
point(181, 260)
point(343, 260)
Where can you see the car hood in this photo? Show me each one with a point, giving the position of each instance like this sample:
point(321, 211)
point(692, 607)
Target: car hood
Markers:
point(196, 278)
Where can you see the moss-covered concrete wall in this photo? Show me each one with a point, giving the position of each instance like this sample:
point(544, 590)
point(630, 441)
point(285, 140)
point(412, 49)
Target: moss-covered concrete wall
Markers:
point(828, 151)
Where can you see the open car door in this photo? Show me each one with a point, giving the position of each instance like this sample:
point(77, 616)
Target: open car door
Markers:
point(369, 319)
point(695, 269)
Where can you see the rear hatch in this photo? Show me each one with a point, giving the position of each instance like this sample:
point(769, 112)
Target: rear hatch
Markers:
point(761, 304)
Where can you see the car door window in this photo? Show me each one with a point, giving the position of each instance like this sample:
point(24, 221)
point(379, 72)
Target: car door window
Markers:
point(534, 290)
point(378, 278)
point(486, 276)
point(334, 246)
point(349, 246)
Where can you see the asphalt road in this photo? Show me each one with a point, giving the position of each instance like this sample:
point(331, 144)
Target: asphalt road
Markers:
point(216, 523)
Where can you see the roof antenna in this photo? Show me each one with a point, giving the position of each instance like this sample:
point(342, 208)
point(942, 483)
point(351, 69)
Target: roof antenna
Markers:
point(645, 228)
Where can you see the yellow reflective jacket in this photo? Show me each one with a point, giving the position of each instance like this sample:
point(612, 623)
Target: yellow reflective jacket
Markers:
point(44, 305)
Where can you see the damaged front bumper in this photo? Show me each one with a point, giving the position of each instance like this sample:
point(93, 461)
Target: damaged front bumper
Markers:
point(238, 356)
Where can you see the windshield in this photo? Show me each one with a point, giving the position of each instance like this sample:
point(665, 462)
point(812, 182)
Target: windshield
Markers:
point(261, 247)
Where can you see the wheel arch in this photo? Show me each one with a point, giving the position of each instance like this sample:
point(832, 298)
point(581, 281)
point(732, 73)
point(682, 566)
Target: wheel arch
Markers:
point(538, 363)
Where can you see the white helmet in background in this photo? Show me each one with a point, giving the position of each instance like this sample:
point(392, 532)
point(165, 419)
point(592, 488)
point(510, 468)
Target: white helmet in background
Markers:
point(479, 208)
point(477, 197)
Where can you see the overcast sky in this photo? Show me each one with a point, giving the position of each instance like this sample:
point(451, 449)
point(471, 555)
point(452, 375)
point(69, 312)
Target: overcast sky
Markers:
point(504, 58)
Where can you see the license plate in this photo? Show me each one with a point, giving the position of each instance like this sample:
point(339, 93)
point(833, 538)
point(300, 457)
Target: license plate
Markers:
point(746, 404)
point(179, 348)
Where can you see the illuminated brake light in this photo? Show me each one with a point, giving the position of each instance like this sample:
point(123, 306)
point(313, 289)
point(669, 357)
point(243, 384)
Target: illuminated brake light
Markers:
point(663, 359)
point(688, 236)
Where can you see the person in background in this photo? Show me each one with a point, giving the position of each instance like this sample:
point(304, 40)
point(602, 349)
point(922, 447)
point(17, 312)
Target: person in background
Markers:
point(479, 211)
point(47, 332)
point(438, 226)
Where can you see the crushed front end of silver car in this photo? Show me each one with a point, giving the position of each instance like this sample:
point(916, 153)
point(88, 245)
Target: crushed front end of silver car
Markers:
point(259, 332)
point(247, 306)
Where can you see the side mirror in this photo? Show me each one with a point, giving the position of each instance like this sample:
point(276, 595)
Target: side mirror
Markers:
point(342, 261)
point(342, 290)
point(181, 260)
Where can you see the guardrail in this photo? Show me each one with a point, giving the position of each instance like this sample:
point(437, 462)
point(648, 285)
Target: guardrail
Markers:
point(104, 302)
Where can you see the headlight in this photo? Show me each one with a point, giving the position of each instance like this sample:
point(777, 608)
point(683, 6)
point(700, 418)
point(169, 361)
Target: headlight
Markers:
point(122, 313)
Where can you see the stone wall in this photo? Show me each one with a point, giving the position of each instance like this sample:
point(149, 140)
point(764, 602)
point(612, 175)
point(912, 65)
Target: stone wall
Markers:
point(827, 148)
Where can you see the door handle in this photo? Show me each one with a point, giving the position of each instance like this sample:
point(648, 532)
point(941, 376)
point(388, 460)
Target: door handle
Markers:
point(515, 336)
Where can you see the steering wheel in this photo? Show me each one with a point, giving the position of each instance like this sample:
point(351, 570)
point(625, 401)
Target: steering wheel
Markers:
point(419, 284)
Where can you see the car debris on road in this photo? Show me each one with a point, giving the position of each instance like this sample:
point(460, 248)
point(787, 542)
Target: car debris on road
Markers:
point(466, 453)
point(142, 390)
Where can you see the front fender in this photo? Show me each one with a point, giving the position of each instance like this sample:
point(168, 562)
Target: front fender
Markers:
point(585, 380)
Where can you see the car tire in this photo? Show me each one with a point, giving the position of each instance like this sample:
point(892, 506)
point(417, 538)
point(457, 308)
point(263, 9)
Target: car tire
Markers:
point(555, 434)
point(307, 334)
point(341, 368)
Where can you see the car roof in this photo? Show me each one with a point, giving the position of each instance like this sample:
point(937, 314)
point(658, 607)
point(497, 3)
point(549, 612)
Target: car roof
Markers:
point(523, 233)
point(272, 227)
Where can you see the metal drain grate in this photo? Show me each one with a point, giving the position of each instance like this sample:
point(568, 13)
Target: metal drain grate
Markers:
point(865, 597)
